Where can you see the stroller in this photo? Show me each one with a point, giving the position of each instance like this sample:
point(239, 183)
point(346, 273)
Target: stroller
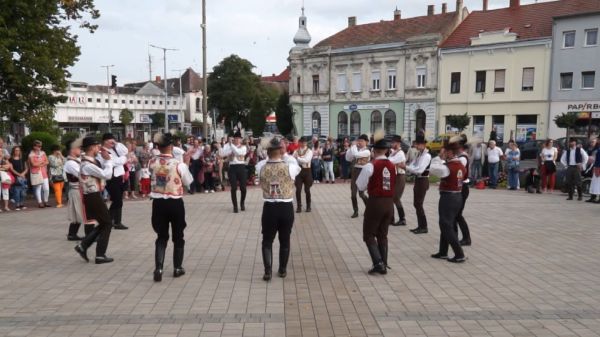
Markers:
point(532, 181)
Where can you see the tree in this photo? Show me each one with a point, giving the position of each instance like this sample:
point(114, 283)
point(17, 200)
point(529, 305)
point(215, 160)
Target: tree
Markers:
point(233, 86)
point(263, 104)
point(285, 122)
point(158, 119)
point(459, 122)
point(36, 50)
point(126, 117)
point(566, 121)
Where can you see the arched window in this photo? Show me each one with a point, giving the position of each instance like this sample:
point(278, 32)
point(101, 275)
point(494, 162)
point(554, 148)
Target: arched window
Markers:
point(316, 123)
point(421, 121)
point(355, 124)
point(375, 121)
point(389, 122)
point(342, 124)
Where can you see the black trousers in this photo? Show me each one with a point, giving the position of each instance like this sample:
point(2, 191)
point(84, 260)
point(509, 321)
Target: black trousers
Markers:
point(354, 190)
point(448, 209)
point(378, 216)
point(238, 176)
point(209, 181)
point(116, 187)
point(195, 168)
point(398, 191)
point(277, 217)
point(460, 219)
point(303, 178)
point(167, 212)
point(95, 209)
point(573, 179)
point(420, 190)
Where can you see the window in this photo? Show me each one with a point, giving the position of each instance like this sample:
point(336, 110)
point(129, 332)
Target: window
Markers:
point(106, 100)
point(588, 79)
point(298, 84)
point(499, 80)
point(376, 78)
point(356, 82)
point(421, 77)
point(389, 122)
point(153, 102)
point(98, 100)
point(130, 101)
point(375, 121)
point(480, 81)
point(159, 102)
point(174, 102)
point(528, 77)
point(355, 124)
point(566, 81)
point(115, 101)
point(591, 37)
point(342, 123)
point(569, 39)
point(168, 103)
point(342, 83)
point(391, 79)
point(315, 86)
point(146, 102)
point(123, 101)
point(89, 100)
point(455, 83)
point(139, 102)
point(197, 103)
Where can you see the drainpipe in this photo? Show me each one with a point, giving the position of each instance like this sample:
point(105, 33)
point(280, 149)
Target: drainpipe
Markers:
point(551, 80)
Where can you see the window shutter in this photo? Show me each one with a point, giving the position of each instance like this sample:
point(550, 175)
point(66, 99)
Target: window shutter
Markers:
point(356, 82)
point(341, 82)
point(500, 79)
point(528, 76)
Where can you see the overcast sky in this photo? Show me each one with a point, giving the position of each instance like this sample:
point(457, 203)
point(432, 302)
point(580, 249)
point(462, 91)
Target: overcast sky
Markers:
point(258, 30)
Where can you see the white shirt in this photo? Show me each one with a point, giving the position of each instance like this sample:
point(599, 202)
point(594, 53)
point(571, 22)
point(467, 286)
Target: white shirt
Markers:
point(419, 165)
point(398, 157)
point(547, 154)
point(355, 153)
point(196, 152)
point(493, 155)
point(439, 168)
point(362, 181)
point(186, 180)
point(304, 161)
point(573, 158)
point(235, 151)
point(118, 158)
point(106, 172)
point(72, 167)
point(293, 169)
point(178, 153)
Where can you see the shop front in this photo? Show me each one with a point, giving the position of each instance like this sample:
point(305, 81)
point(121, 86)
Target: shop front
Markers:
point(588, 118)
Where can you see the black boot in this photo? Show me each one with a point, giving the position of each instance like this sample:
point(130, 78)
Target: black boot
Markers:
point(383, 251)
point(284, 255)
point(178, 262)
point(267, 254)
point(355, 208)
point(73, 229)
point(159, 261)
point(378, 266)
point(117, 222)
point(591, 199)
point(299, 208)
point(87, 229)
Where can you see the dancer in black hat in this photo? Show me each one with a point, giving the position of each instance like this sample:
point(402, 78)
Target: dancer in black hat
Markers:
point(304, 157)
point(398, 158)
point(460, 218)
point(116, 185)
point(420, 168)
point(236, 152)
point(359, 155)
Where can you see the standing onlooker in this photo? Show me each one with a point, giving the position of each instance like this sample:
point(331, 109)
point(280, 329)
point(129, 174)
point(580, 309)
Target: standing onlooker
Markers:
point(548, 155)
point(328, 160)
point(133, 165)
point(493, 135)
point(144, 158)
point(575, 158)
point(38, 168)
point(477, 154)
point(5, 168)
point(19, 169)
point(513, 157)
point(57, 173)
point(344, 164)
point(595, 184)
point(316, 162)
point(196, 165)
point(494, 154)
point(208, 166)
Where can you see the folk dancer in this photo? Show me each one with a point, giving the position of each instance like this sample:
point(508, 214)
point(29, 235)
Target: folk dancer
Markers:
point(463, 156)
point(575, 158)
point(74, 205)
point(398, 158)
point(452, 171)
point(305, 178)
point(277, 176)
point(420, 168)
point(359, 155)
point(168, 177)
point(379, 179)
point(116, 185)
point(236, 152)
point(92, 177)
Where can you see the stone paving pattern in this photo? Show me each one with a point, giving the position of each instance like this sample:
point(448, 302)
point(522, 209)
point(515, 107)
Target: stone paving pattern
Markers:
point(533, 270)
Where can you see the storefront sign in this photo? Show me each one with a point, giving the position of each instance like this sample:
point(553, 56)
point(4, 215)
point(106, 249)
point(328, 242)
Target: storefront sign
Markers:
point(173, 118)
point(526, 132)
point(145, 118)
point(583, 107)
point(354, 107)
point(80, 119)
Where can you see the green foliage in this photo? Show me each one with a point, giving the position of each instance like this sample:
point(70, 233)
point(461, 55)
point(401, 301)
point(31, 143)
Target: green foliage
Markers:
point(566, 121)
point(36, 50)
point(285, 121)
point(47, 139)
point(67, 137)
point(126, 117)
point(257, 117)
point(158, 119)
point(42, 121)
point(458, 121)
point(232, 86)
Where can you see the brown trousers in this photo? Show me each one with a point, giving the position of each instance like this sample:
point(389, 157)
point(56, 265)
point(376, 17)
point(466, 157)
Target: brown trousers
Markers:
point(303, 178)
point(398, 191)
point(420, 190)
point(378, 216)
point(354, 190)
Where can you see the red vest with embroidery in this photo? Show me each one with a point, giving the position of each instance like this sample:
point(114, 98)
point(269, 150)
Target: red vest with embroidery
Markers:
point(454, 181)
point(383, 180)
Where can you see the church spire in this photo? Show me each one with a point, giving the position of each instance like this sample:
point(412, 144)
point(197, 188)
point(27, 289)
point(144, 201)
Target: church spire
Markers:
point(302, 37)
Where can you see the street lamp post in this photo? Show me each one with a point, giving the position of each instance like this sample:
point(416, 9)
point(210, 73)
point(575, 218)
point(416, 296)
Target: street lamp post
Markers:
point(181, 118)
point(165, 82)
point(110, 120)
point(204, 78)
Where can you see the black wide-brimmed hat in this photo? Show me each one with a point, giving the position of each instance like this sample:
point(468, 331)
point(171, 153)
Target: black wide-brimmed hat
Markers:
point(237, 134)
point(396, 138)
point(89, 141)
point(381, 144)
point(107, 136)
point(364, 137)
point(304, 139)
point(454, 143)
point(275, 143)
point(163, 139)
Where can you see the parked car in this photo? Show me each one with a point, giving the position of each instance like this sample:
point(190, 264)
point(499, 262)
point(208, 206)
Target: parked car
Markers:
point(438, 142)
point(531, 149)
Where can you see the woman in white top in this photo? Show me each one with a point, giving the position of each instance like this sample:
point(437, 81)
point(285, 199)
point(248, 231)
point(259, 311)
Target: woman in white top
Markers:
point(548, 156)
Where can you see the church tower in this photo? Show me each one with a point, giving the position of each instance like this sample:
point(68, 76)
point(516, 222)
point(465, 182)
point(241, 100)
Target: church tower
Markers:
point(302, 37)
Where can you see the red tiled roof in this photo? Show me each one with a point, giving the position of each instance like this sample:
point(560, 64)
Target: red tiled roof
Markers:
point(538, 16)
point(283, 77)
point(390, 31)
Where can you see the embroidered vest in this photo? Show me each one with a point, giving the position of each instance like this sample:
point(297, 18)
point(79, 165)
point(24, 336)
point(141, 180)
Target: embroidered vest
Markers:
point(454, 181)
point(90, 184)
point(398, 169)
point(383, 180)
point(275, 181)
point(302, 153)
point(73, 180)
point(464, 155)
point(165, 177)
point(578, 156)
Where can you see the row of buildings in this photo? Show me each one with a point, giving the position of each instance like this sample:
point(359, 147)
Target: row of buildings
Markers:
point(512, 69)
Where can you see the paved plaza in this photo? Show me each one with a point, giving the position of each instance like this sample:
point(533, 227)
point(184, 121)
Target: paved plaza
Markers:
point(533, 270)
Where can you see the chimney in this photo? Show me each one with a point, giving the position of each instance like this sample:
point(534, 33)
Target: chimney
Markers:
point(397, 14)
point(430, 9)
point(444, 8)
point(351, 21)
point(485, 5)
point(459, 10)
point(157, 79)
point(515, 3)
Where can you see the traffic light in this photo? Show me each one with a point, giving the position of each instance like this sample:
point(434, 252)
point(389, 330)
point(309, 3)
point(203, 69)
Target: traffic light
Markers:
point(113, 81)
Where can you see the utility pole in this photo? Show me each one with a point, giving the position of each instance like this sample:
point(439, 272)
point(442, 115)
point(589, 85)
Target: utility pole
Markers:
point(181, 117)
point(110, 120)
point(165, 83)
point(204, 75)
